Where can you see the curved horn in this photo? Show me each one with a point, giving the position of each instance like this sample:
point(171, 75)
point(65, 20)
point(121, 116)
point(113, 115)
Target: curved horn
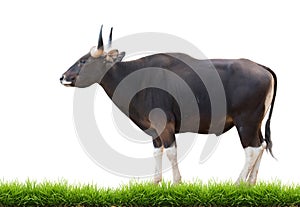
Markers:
point(100, 40)
point(110, 37)
point(98, 51)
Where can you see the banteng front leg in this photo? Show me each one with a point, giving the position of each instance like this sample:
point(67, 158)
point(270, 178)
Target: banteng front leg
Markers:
point(167, 141)
point(158, 153)
point(172, 155)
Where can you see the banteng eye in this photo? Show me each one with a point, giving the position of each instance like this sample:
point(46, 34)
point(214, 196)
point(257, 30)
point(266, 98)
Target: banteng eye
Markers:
point(82, 61)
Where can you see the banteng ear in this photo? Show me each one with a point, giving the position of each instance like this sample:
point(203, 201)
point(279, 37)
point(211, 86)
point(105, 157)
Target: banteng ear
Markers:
point(114, 56)
point(120, 56)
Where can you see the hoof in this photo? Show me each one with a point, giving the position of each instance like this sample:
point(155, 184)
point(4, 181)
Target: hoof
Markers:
point(156, 181)
point(176, 182)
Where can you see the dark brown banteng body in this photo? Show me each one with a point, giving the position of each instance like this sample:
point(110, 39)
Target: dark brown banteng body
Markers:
point(248, 90)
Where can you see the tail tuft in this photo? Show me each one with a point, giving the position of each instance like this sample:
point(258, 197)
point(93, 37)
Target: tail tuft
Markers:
point(268, 138)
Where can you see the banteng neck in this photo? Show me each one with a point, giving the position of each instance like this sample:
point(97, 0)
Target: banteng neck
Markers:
point(116, 73)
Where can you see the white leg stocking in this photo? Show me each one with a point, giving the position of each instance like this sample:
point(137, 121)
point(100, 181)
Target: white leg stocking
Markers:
point(253, 156)
point(253, 174)
point(158, 152)
point(172, 155)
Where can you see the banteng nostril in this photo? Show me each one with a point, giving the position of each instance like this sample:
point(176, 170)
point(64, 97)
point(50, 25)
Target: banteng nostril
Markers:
point(62, 77)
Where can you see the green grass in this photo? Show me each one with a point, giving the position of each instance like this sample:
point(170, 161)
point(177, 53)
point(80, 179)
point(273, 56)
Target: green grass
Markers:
point(145, 194)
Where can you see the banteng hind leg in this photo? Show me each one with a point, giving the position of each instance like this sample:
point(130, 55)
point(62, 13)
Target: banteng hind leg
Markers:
point(253, 174)
point(252, 162)
point(254, 146)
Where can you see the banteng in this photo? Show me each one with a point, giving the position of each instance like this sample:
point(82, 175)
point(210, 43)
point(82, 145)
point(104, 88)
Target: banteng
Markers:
point(249, 89)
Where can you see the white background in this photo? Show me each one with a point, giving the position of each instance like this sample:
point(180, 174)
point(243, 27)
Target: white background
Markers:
point(41, 39)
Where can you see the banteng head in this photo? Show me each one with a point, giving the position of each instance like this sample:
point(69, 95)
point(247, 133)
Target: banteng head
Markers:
point(90, 68)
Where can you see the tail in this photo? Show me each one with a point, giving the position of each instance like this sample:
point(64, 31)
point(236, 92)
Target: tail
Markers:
point(267, 129)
